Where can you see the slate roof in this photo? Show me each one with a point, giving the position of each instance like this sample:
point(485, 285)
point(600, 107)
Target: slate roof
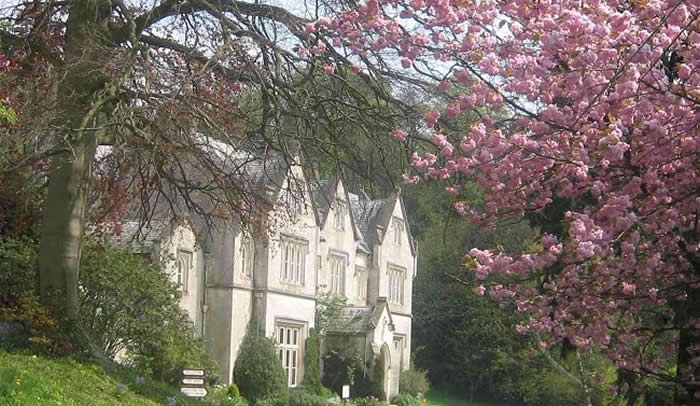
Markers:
point(133, 234)
point(353, 320)
point(366, 213)
point(360, 319)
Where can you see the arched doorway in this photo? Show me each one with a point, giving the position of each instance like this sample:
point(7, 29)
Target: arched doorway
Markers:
point(385, 356)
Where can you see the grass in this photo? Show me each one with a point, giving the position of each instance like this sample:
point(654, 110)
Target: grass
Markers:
point(34, 380)
point(440, 398)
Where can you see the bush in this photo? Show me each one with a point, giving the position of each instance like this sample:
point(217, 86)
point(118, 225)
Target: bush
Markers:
point(258, 371)
point(406, 399)
point(339, 371)
point(414, 381)
point(28, 324)
point(24, 321)
point(293, 397)
point(226, 395)
point(369, 401)
point(129, 304)
point(233, 391)
point(312, 364)
point(126, 304)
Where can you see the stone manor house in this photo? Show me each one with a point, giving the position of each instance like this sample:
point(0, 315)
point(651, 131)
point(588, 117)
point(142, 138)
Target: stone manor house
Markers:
point(322, 238)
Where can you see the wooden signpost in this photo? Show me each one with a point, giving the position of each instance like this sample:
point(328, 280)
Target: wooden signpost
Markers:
point(193, 383)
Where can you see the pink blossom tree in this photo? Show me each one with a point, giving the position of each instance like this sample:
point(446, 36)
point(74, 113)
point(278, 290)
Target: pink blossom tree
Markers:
point(602, 100)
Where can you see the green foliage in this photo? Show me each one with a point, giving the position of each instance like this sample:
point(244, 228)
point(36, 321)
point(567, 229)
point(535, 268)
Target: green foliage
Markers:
point(339, 370)
point(29, 324)
point(39, 331)
point(328, 308)
point(326, 393)
point(414, 381)
point(18, 264)
point(258, 372)
point(312, 364)
point(233, 391)
point(7, 115)
point(226, 395)
point(126, 304)
point(406, 399)
point(293, 397)
point(369, 401)
point(35, 380)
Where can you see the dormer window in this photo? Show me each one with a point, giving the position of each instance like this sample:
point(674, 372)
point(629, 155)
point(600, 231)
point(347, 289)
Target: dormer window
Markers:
point(397, 230)
point(340, 212)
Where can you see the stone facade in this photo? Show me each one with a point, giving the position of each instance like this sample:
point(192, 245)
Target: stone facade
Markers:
point(319, 237)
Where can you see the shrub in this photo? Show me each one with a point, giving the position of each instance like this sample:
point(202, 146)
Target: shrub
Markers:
point(129, 304)
point(326, 393)
point(369, 401)
point(126, 304)
point(414, 381)
point(312, 364)
point(24, 321)
point(226, 395)
point(339, 371)
point(406, 399)
point(258, 372)
point(293, 397)
point(233, 391)
point(30, 325)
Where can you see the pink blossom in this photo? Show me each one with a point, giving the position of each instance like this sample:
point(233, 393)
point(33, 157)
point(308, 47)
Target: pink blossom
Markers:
point(629, 289)
point(410, 180)
point(431, 117)
point(329, 69)
point(400, 135)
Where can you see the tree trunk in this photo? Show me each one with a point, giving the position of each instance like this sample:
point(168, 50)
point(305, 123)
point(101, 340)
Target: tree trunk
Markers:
point(79, 96)
point(62, 229)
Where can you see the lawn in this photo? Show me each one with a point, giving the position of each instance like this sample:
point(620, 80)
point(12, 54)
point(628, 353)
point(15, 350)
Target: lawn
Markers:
point(33, 380)
point(439, 398)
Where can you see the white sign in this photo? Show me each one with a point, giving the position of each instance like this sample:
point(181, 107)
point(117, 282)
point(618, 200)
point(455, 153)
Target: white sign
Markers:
point(193, 381)
point(346, 391)
point(194, 392)
point(193, 372)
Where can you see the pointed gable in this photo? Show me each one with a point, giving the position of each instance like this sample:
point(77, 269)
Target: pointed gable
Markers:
point(325, 195)
point(374, 217)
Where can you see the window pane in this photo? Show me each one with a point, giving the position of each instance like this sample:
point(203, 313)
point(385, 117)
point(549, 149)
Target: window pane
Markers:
point(294, 341)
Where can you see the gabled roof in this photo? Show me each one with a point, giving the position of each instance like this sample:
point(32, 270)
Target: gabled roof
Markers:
point(371, 214)
point(366, 212)
point(352, 320)
point(324, 196)
point(360, 319)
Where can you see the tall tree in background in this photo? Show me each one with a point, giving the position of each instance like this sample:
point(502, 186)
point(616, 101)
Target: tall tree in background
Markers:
point(601, 140)
point(159, 82)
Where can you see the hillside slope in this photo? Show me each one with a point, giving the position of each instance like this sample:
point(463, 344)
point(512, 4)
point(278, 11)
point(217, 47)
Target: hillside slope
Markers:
point(27, 380)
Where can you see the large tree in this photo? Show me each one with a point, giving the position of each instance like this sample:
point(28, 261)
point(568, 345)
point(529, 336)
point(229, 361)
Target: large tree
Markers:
point(601, 143)
point(177, 90)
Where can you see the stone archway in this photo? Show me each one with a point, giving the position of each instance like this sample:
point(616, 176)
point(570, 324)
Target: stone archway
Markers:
point(385, 357)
